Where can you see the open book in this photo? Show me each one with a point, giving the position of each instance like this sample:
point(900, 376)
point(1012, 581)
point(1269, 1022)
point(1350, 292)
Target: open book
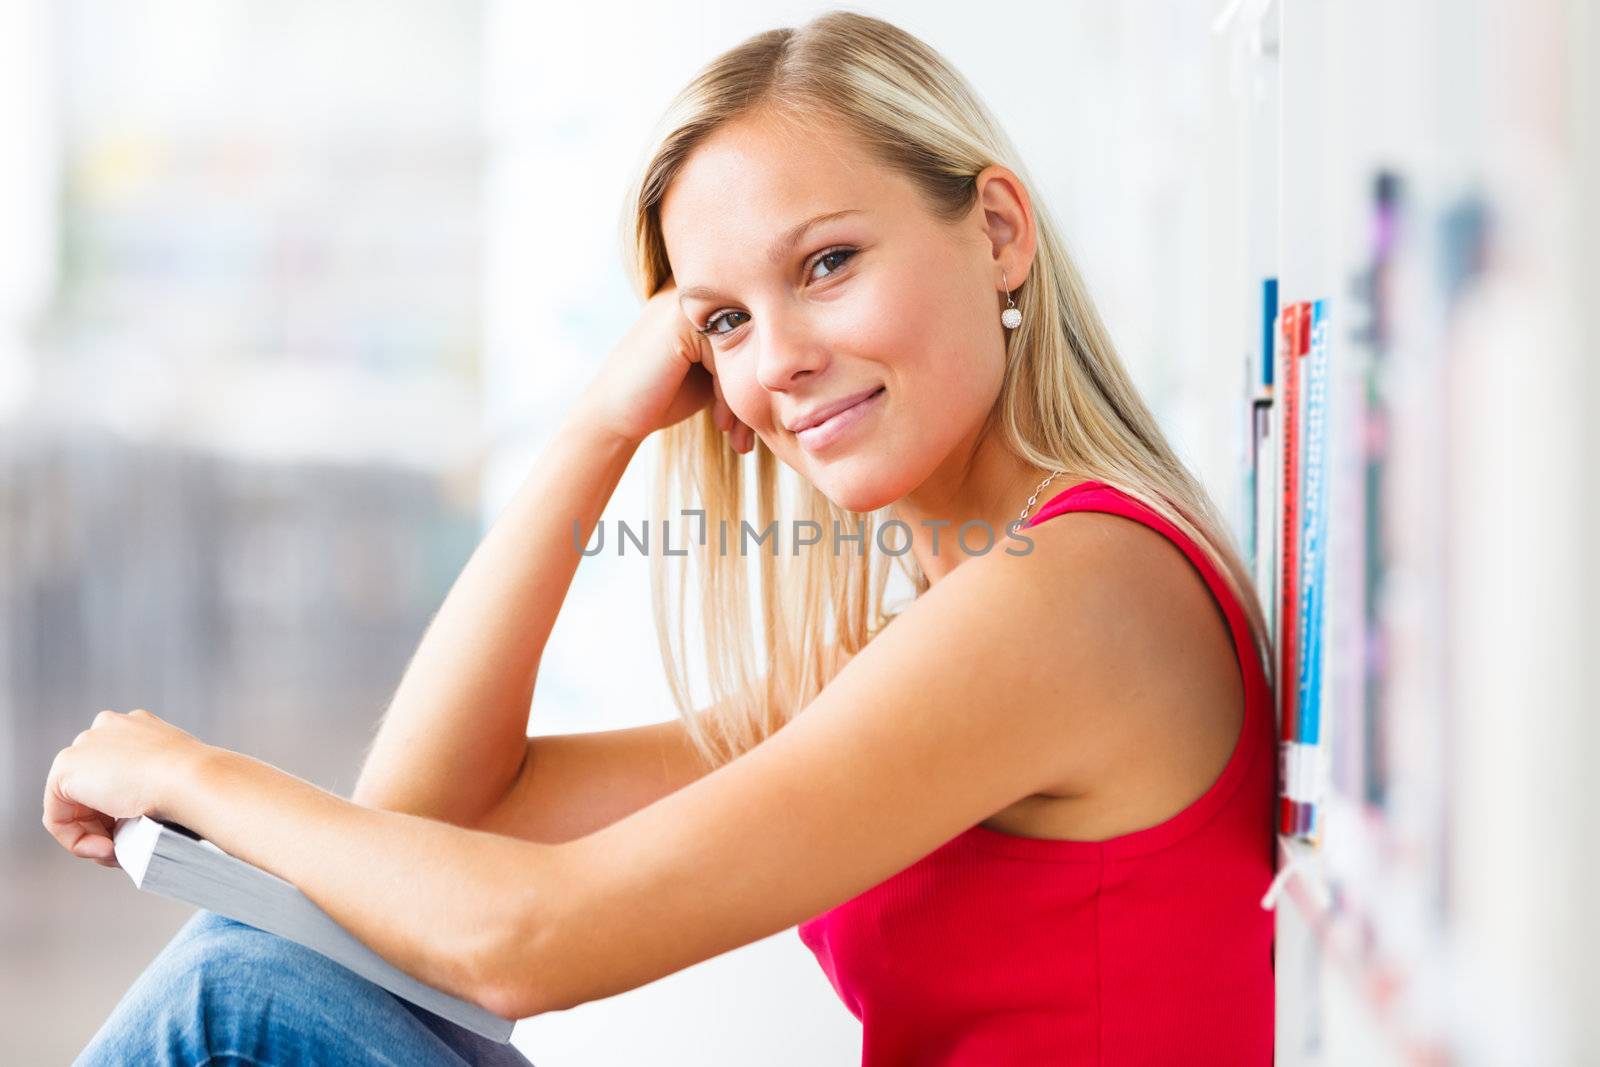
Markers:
point(173, 861)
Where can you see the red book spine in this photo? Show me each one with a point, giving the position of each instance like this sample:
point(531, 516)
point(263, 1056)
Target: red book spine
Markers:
point(1289, 585)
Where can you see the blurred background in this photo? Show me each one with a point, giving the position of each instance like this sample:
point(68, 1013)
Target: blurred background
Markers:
point(292, 293)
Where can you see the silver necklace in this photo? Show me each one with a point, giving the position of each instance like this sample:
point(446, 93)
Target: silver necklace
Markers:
point(1035, 497)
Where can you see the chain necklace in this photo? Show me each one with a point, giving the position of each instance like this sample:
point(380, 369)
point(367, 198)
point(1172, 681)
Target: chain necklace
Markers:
point(1035, 497)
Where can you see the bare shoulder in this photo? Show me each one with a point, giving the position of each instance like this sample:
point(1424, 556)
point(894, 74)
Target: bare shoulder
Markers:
point(1136, 569)
point(1165, 678)
point(1135, 573)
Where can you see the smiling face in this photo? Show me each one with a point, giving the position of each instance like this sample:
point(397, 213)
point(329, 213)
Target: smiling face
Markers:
point(882, 300)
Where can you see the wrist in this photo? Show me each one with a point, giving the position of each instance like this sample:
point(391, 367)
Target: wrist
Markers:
point(195, 780)
point(588, 416)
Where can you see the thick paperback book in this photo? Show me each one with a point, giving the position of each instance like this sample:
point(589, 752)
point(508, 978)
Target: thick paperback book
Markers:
point(171, 860)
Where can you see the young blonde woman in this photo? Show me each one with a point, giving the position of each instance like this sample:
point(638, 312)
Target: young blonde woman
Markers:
point(1024, 819)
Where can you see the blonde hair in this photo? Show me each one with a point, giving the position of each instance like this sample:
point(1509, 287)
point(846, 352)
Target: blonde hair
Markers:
point(1065, 401)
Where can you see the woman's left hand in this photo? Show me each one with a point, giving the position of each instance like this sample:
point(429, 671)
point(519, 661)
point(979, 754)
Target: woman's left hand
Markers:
point(121, 767)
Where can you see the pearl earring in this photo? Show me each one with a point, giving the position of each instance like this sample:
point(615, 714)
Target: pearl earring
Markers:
point(1011, 317)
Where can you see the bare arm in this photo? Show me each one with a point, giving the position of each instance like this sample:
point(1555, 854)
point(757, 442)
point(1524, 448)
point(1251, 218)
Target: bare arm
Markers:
point(574, 784)
point(454, 738)
point(452, 741)
point(571, 785)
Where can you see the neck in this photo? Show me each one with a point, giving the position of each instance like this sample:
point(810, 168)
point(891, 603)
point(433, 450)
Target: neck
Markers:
point(981, 480)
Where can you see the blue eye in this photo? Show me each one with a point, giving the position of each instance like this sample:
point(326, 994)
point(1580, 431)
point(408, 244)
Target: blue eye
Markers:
point(710, 328)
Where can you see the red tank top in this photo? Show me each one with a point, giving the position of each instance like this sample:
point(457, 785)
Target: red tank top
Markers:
point(1147, 948)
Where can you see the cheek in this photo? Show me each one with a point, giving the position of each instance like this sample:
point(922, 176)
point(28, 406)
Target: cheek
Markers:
point(889, 322)
point(927, 332)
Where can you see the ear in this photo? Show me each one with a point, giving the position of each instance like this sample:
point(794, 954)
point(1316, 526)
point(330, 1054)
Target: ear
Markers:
point(1007, 219)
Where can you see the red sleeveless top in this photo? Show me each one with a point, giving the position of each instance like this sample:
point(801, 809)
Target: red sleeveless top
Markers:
point(1147, 948)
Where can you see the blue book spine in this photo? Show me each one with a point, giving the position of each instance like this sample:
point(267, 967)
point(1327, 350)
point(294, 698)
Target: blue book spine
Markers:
point(1269, 318)
point(1314, 527)
point(1260, 423)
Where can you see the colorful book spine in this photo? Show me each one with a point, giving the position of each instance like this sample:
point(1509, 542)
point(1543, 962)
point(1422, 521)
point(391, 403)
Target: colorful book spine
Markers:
point(1312, 570)
point(1290, 759)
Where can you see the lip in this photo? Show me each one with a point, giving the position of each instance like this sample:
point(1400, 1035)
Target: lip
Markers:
point(816, 416)
point(837, 419)
point(827, 411)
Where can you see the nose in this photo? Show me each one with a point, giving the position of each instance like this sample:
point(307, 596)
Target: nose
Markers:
point(789, 352)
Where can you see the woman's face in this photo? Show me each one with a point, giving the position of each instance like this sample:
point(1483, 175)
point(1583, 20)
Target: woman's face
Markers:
point(881, 301)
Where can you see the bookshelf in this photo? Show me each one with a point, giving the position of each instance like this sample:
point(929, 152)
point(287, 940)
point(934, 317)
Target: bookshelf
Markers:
point(1420, 169)
point(240, 420)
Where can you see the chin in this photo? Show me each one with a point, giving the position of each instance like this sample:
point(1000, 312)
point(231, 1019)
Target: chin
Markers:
point(858, 484)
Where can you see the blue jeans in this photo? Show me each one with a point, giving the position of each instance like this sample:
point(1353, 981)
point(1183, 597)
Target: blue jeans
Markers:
point(225, 993)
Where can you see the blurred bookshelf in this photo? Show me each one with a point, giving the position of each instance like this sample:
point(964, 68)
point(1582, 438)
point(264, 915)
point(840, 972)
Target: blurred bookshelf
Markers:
point(242, 436)
point(1420, 169)
point(266, 607)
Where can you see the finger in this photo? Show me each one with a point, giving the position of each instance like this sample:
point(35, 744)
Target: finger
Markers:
point(67, 820)
point(59, 812)
point(94, 847)
point(70, 823)
point(721, 414)
point(690, 344)
point(96, 824)
point(88, 839)
point(702, 388)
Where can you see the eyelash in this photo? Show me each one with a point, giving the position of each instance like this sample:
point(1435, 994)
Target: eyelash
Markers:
point(709, 328)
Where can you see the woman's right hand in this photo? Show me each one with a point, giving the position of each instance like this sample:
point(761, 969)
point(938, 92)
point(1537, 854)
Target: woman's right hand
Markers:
point(661, 372)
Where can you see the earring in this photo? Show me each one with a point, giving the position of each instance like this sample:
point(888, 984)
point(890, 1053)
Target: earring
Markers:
point(1011, 317)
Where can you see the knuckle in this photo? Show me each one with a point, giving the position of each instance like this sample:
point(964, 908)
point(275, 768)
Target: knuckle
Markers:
point(687, 350)
point(104, 717)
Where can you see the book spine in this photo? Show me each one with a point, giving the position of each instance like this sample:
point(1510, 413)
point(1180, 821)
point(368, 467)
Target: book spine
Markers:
point(1269, 318)
point(1313, 560)
point(1261, 438)
point(1288, 762)
point(1261, 454)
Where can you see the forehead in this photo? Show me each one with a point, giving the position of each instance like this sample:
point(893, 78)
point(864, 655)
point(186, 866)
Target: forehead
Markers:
point(755, 178)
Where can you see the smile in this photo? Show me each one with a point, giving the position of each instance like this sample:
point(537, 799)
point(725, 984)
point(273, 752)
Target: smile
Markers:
point(825, 433)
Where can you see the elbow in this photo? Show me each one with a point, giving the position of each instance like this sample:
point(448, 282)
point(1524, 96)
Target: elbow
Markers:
point(505, 1001)
point(523, 979)
point(527, 967)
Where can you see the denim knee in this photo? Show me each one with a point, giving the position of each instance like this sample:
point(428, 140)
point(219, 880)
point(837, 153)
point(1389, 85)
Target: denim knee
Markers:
point(222, 991)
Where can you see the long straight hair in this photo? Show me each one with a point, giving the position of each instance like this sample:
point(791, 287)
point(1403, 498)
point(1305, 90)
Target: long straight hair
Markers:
point(1065, 400)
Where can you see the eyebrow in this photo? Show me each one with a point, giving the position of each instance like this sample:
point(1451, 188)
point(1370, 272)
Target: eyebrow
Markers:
point(780, 248)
